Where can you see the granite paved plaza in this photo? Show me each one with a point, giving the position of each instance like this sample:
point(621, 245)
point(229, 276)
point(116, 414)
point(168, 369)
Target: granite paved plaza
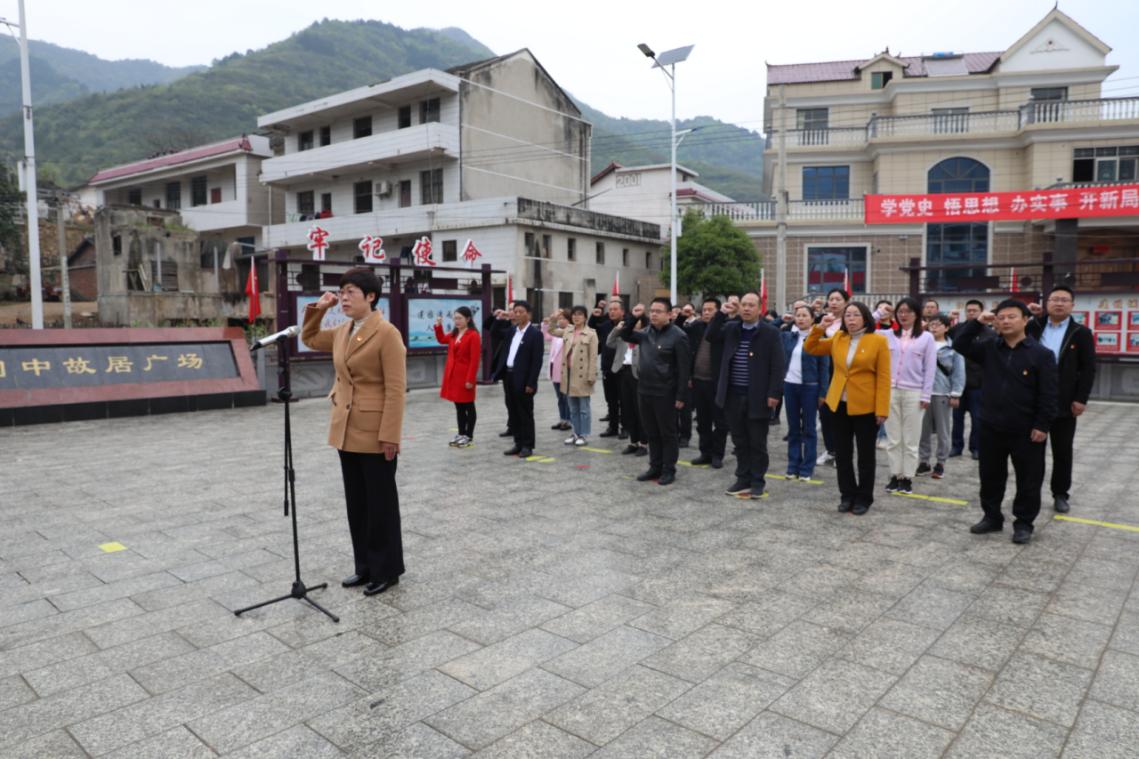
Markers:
point(551, 608)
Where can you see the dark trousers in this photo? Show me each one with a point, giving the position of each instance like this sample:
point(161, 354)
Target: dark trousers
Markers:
point(971, 404)
point(802, 403)
point(850, 433)
point(997, 447)
point(826, 417)
point(630, 413)
point(684, 421)
point(373, 514)
point(749, 436)
point(466, 416)
point(1062, 434)
point(658, 416)
point(611, 386)
point(711, 425)
point(520, 410)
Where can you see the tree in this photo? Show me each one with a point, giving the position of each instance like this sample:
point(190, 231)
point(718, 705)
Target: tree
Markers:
point(713, 256)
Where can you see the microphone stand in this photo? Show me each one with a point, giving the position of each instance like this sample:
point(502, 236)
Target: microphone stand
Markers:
point(299, 590)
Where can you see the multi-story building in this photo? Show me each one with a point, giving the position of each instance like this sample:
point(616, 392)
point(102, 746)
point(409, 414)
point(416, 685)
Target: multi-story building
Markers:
point(493, 151)
point(645, 192)
point(1035, 116)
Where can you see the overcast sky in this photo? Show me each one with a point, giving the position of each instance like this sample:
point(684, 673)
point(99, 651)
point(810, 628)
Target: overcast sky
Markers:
point(589, 47)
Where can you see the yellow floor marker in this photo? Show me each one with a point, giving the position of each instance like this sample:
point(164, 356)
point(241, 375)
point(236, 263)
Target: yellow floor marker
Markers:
point(1098, 523)
point(690, 465)
point(113, 547)
point(934, 498)
point(595, 450)
point(537, 459)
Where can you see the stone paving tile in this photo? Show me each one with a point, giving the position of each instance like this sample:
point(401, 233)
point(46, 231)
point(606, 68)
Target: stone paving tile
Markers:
point(979, 642)
point(509, 618)
point(415, 742)
point(834, 696)
point(939, 691)
point(603, 713)
point(501, 661)
point(773, 736)
point(375, 671)
point(701, 654)
point(994, 732)
point(1126, 635)
point(766, 616)
point(1103, 731)
point(592, 620)
point(36, 630)
point(681, 617)
point(178, 743)
point(1068, 640)
point(298, 742)
point(72, 673)
point(931, 606)
point(15, 691)
point(797, 649)
point(57, 744)
point(1042, 688)
point(1117, 681)
point(172, 673)
point(655, 737)
point(885, 734)
point(889, 645)
point(1011, 606)
point(21, 723)
point(603, 657)
point(727, 700)
point(1088, 603)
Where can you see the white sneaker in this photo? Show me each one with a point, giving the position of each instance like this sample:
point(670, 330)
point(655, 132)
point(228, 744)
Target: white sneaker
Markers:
point(883, 444)
point(570, 440)
point(455, 441)
point(580, 441)
point(825, 459)
point(464, 442)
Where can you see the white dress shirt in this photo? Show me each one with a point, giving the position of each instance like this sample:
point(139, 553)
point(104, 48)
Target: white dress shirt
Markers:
point(514, 343)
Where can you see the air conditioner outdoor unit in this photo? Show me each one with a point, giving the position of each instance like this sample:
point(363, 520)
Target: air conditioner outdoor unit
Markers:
point(383, 188)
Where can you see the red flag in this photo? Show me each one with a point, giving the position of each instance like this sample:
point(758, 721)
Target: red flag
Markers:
point(252, 289)
point(509, 290)
point(846, 281)
point(1014, 285)
point(762, 291)
point(616, 283)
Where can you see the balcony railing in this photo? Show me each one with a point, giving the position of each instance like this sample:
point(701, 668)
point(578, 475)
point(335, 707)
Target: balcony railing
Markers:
point(1080, 111)
point(825, 210)
point(756, 210)
point(836, 137)
point(947, 124)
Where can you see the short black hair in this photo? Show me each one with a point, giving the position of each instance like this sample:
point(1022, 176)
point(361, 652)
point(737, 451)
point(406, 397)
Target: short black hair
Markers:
point(930, 300)
point(1065, 288)
point(1012, 303)
point(845, 295)
point(710, 299)
point(867, 317)
point(661, 299)
point(975, 302)
point(579, 310)
point(524, 304)
point(364, 278)
point(941, 317)
point(879, 303)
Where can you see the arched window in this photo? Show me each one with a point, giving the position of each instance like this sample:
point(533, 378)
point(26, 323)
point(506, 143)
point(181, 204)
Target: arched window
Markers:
point(949, 244)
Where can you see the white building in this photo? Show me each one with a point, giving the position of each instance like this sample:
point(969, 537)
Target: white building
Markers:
point(645, 192)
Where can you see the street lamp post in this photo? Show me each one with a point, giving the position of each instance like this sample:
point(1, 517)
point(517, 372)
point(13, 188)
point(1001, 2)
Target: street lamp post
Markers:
point(666, 62)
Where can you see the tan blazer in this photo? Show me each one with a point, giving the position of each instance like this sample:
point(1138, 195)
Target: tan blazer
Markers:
point(579, 360)
point(371, 380)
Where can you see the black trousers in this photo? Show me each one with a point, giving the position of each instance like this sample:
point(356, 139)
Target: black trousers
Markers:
point(850, 433)
point(684, 420)
point(997, 447)
point(749, 436)
point(630, 412)
point(520, 411)
point(1063, 435)
point(711, 425)
point(658, 415)
point(466, 415)
point(611, 386)
point(826, 422)
point(373, 514)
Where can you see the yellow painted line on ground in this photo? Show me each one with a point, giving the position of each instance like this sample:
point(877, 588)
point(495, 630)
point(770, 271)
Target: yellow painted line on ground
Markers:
point(690, 465)
point(595, 450)
point(934, 498)
point(788, 479)
point(1098, 523)
point(113, 547)
point(537, 459)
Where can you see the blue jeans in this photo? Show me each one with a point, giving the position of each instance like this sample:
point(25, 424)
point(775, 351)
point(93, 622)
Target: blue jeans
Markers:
point(801, 403)
point(579, 415)
point(563, 403)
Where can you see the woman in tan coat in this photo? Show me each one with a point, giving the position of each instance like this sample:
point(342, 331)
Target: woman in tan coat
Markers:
point(579, 372)
point(367, 397)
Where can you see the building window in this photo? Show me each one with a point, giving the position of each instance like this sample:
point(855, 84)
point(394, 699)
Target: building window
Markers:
point(429, 110)
point(950, 120)
point(405, 193)
point(362, 127)
point(305, 207)
point(826, 182)
point(325, 136)
point(600, 253)
point(134, 196)
point(1105, 164)
point(157, 202)
point(304, 140)
point(828, 266)
point(879, 79)
point(117, 245)
point(547, 246)
point(625, 257)
point(528, 245)
point(198, 190)
point(362, 191)
point(174, 195)
point(215, 195)
point(325, 204)
point(648, 259)
point(404, 116)
point(450, 251)
point(812, 119)
point(431, 186)
point(948, 244)
point(565, 300)
point(571, 249)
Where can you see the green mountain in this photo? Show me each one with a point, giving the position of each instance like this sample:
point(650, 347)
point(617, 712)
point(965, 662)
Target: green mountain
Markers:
point(90, 127)
point(59, 74)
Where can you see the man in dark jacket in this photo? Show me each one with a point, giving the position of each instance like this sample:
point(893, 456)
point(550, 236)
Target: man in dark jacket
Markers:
point(603, 320)
point(518, 366)
point(1073, 345)
point(750, 385)
point(663, 363)
point(971, 398)
point(711, 426)
point(1017, 411)
point(496, 343)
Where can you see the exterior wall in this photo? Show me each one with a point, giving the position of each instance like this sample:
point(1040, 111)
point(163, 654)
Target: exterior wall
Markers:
point(343, 195)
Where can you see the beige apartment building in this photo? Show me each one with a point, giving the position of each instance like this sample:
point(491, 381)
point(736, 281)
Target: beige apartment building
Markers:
point(1037, 115)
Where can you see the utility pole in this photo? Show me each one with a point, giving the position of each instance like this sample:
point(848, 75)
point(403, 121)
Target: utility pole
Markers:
point(30, 179)
point(64, 277)
point(673, 226)
point(781, 209)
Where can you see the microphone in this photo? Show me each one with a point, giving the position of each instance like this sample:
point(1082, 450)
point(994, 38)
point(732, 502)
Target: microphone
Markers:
point(292, 331)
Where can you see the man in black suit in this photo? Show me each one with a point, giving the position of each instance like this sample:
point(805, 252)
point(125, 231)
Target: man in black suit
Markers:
point(749, 387)
point(497, 341)
point(518, 366)
point(1073, 345)
point(711, 426)
point(603, 323)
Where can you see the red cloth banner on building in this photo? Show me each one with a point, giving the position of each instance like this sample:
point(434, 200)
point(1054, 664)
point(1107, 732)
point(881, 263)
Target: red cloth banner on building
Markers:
point(962, 207)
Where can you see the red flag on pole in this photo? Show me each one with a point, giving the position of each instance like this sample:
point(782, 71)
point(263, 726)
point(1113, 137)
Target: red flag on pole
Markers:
point(762, 290)
point(1014, 284)
point(509, 290)
point(846, 281)
point(252, 289)
point(616, 283)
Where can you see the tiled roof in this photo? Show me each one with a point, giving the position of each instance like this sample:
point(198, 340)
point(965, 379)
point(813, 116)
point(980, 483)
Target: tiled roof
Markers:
point(173, 159)
point(837, 71)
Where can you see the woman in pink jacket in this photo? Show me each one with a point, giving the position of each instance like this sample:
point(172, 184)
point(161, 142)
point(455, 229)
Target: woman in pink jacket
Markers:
point(913, 366)
point(559, 319)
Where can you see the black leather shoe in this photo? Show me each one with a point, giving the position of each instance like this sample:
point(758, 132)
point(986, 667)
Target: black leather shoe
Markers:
point(508, 433)
point(859, 509)
point(648, 475)
point(717, 462)
point(641, 451)
point(701, 460)
point(608, 433)
point(630, 449)
point(845, 506)
point(1021, 534)
point(955, 453)
point(622, 435)
point(604, 418)
point(1061, 505)
point(352, 581)
point(985, 526)
point(375, 588)
point(976, 456)
point(512, 451)
point(667, 478)
point(739, 487)
point(525, 453)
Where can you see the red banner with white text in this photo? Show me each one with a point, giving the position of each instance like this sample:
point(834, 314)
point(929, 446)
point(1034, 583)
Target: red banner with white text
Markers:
point(960, 207)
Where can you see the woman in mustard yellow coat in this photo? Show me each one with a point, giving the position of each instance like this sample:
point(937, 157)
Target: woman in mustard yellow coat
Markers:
point(859, 396)
point(367, 418)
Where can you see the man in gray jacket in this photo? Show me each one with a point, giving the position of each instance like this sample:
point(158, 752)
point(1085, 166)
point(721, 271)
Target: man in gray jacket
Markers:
point(622, 367)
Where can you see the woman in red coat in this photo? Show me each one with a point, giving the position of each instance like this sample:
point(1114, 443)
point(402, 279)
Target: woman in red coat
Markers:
point(464, 347)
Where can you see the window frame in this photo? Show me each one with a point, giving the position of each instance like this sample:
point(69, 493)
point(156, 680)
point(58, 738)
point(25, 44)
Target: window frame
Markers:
point(306, 208)
point(823, 286)
point(431, 187)
point(173, 193)
point(362, 190)
point(816, 174)
point(305, 140)
point(362, 127)
point(199, 190)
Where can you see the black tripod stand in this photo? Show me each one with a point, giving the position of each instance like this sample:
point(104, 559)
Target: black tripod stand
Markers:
point(285, 394)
